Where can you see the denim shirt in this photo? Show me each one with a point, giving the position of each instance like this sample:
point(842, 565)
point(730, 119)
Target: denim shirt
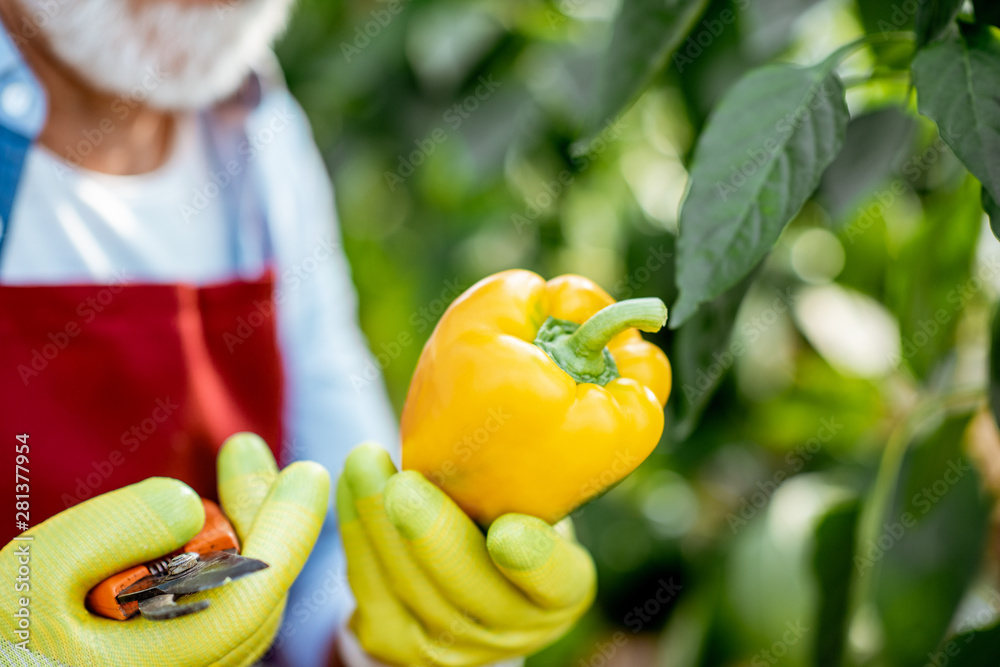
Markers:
point(335, 396)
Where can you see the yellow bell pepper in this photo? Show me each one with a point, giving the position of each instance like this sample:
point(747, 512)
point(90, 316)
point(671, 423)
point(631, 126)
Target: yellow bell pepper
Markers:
point(534, 397)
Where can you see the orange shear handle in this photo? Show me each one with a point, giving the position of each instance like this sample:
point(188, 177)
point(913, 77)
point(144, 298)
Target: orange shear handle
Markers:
point(217, 535)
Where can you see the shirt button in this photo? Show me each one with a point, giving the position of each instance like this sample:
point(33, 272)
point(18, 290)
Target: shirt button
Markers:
point(15, 99)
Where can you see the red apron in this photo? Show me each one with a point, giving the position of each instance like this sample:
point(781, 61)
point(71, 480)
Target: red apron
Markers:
point(117, 383)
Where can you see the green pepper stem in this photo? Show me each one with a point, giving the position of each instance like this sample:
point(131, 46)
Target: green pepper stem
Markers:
point(581, 350)
point(594, 335)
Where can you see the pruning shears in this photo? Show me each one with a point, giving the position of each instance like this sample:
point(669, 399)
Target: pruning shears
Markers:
point(211, 559)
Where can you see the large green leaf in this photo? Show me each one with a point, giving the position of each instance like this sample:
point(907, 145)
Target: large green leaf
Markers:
point(645, 33)
point(922, 542)
point(995, 367)
point(834, 569)
point(927, 284)
point(958, 86)
point(872, 151)
point(883, 17)
point(976, 648)
point(992, 209)
point(702, 355)
point(755, 165)
point(933, 17)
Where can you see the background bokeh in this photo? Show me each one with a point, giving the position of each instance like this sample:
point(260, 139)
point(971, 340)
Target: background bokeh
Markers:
point(816, 406)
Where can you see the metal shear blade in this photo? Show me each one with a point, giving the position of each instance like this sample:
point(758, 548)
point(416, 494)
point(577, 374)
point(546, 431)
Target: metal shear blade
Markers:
point(163, 607)
point(157, 595)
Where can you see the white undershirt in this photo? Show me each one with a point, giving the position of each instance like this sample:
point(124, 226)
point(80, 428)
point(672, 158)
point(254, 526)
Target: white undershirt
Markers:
point(73, 225)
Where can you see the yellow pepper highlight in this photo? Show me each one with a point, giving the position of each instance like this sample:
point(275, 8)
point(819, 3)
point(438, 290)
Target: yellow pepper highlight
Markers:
point(502, 425)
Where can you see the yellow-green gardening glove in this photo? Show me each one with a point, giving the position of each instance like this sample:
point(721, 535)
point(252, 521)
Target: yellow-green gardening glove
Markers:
point(432, 590)
point(277, 516)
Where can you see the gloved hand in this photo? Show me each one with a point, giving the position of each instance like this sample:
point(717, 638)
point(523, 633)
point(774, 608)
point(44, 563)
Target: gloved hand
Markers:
point(277, 516)
point(433, 590)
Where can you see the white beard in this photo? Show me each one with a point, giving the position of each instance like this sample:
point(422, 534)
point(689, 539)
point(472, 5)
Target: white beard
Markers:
point(169, 55)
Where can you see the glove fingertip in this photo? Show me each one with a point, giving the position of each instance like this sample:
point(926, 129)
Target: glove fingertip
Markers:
point(245, 454)
point(304, 483)
point(413, 504)
point(174, 502)
point(553, 572)
point(367, 468)
point(290, 519)
point(520, 542)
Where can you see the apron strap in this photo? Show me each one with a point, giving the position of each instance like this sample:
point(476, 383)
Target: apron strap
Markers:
point(23, 108)
point(225, 132)
point(231, 154)
point(13, 149)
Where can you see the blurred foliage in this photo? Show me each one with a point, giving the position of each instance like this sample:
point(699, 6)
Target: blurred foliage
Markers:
point(815, 400)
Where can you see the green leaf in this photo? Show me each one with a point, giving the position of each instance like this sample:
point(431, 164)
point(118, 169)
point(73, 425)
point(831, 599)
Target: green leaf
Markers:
point(992, 209)
point(923, 541)
point(872, 151)
point(995, 367)
point(758, 161)
point(834, 569)
point(931, 271)
point(958, 86)
point(883, 17)
point(987, 11)
point(701, 357)
point(933, 17)
point(683, 642)
point(977, 648)
point(645, 33)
